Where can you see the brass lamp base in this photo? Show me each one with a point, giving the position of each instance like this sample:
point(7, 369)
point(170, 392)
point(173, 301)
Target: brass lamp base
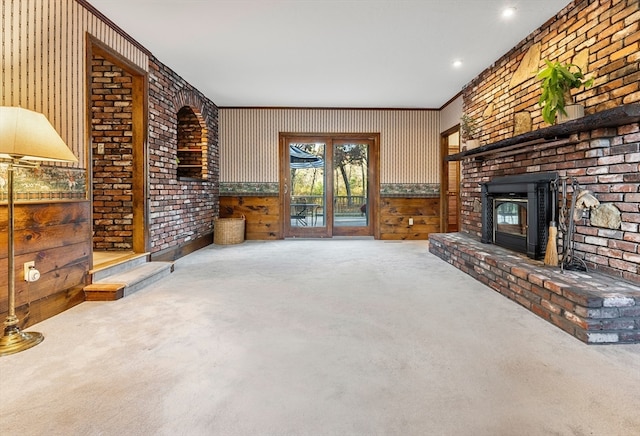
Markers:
point(14, 341)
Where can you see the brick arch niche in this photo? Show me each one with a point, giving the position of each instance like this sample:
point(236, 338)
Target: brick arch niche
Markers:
point(192, 145)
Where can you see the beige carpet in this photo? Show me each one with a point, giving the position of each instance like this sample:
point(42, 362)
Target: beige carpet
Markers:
point(315, 337)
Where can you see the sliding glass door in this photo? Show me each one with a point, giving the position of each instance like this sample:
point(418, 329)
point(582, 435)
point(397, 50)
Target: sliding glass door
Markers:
point(326, 185)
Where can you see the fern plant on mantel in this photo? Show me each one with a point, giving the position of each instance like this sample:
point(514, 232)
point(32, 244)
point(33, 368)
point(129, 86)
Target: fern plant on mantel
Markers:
point(557, 81)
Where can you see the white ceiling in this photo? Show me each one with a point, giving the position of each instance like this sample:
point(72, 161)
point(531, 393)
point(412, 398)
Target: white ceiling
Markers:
point(328, 53)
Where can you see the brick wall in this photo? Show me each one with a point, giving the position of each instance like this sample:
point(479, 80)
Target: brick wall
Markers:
point(606, 32)
point(111, 134)
point(605, 161)
point(181, 211)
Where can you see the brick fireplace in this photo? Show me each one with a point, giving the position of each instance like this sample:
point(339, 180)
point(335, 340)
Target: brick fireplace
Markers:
point(599, 152)
point(602, 153)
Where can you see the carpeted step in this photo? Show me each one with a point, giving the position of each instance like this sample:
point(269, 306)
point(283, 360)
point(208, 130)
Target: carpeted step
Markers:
point(118, 266)
point(127, 282)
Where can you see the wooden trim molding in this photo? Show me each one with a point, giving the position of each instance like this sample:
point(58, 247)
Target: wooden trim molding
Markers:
point(173, 253)
point(85, 4)
point(140, 131)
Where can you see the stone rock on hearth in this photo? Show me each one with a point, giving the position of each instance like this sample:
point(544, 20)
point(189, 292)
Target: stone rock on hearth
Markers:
point(477, 205)
point(606, 215)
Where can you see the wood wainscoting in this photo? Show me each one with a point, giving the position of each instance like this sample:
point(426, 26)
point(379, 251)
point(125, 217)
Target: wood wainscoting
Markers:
point(57, 236)
point(263, 219)
point(395, 214)
point(262, 214)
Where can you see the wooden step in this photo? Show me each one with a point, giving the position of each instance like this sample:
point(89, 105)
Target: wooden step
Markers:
point(104, 291)
point(126, 282)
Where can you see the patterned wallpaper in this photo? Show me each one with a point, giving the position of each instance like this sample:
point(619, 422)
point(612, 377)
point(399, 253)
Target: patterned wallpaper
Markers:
point(409, 140)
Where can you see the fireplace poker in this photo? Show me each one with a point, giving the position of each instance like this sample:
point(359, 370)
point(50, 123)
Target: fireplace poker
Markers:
point(562, 220)
point(569, 260)
point(551, 255)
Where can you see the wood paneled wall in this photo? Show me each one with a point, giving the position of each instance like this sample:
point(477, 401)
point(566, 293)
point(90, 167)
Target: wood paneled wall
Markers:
point(43, 45)
point(395, 214)
point(409, 140)
point(262, 215)
point(58, 238)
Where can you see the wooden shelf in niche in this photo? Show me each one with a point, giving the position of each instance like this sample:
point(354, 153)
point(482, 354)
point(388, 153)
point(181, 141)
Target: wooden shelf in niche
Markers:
point(192, 179)
point(190, 163)
point(192, 145)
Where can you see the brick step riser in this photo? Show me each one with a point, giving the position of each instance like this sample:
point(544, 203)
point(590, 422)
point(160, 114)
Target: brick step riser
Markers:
point(550, 295)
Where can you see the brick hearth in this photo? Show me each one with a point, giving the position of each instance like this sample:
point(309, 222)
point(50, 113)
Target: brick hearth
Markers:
point(595, 308)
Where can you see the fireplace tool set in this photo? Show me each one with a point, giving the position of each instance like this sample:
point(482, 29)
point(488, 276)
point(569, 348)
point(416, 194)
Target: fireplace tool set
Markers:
point(581, 200)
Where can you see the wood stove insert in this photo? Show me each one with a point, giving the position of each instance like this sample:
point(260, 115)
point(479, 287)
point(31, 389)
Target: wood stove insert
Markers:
point(516, 211)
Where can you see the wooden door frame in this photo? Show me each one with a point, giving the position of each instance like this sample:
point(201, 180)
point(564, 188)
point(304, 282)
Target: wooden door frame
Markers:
point(444, 178)
point(373, 173)
point(140, 174)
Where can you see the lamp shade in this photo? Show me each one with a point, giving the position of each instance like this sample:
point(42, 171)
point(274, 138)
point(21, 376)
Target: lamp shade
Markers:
point(28, 135)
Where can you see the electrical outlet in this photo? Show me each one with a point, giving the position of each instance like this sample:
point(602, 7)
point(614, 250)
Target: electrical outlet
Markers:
point(31, 274)
point(410, 221)
point(27, 266)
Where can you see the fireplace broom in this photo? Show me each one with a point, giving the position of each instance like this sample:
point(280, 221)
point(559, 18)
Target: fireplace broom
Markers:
point(551, 255)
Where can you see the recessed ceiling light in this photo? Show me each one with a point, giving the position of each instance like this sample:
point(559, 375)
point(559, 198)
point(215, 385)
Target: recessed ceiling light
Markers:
point(457, 63)
point(508, 12)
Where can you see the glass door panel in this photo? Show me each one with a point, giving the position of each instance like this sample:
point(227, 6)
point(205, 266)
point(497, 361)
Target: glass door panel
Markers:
point(350, 187)
point(307, 193)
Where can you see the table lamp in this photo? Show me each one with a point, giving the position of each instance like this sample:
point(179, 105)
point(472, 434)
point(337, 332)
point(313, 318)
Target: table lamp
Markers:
point(26, 139)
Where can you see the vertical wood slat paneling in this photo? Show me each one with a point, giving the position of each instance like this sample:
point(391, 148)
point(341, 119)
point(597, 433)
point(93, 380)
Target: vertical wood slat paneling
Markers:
point(78, 52)
point(24, 50)
point(36, 82)
point(51, 84)
point(43, 61)
point(4, 37)
point(409, 140)
point(14, 54)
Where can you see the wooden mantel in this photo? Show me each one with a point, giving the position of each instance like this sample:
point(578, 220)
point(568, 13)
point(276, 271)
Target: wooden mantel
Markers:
point(557, 134)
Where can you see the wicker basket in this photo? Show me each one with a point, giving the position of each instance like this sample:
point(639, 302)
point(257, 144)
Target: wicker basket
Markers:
point(228, 230)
